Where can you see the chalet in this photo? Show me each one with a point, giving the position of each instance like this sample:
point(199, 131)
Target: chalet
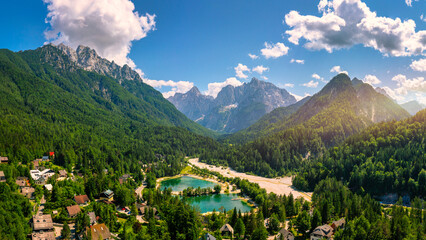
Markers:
point(81, 199)
point(107, 195)
point(339, 224)
point(43, 236)
point(36, 164)
point(22, 182)
point(98, 231)
point(73, 210)
point(28, 192)
point(285, 234)
point(62, 174)
point(227, 230)
point(207, 236)
point(42, 222)
point(2, 177)
point(92, 217)
point(45, 158)
point(4, 160)
point(48, 187)
point(322, 232)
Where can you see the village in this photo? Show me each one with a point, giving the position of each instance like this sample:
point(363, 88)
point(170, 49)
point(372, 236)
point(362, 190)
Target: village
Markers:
point(50, 222)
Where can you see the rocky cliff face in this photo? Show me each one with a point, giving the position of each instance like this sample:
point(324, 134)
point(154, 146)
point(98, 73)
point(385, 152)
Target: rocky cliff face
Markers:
point(234, 108)
point(87, 59)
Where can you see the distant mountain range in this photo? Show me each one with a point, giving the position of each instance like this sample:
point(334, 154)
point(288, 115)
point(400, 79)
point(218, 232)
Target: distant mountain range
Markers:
point(234, 108)
point(413, 107)
point(341, 108)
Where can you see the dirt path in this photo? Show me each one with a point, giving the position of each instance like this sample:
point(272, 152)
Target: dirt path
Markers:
point(278, 186)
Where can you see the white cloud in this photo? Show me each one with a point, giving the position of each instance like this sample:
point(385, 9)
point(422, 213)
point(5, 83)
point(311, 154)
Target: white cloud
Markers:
point(318, 77)
point(422, 18)
point(253, 56)
point(345, 23)
point(338, 69)
point(108, 26)
point(298, 98)
point(177, 87)
point(409, 85)
point(240, 69)
point(371, 79)
point(410, 2)
point(274, 50)
point(299, 61)
point(393, 94)
point(215, 87)
point(419, 65)
point(421, 98)
point(311, 84)
point(289, 85)
point(260, 69)
point(264, 78)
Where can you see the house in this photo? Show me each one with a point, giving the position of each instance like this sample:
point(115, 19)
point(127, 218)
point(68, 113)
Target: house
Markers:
point(322, 232)
point(62, 173)
point(107, 195)
point(42, 222)
point(227, 230)
point(98, 231)
point(339, 224)
point(40, 177)
point(207, 236)
point(48, 187)
point(73, 210)
point(28, 192)
point(286, 235)
point(2, 177)
point(266, 222)
point(22, 182)
point(36, 164)
point(43, 236)
point(124, 178)
point(45, 158)
point(4, 160)
point(92, 217)
point(51, 154)
point(81, 199)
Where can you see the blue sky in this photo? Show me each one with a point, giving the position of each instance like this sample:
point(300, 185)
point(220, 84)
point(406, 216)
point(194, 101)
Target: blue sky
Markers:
point(197, 43)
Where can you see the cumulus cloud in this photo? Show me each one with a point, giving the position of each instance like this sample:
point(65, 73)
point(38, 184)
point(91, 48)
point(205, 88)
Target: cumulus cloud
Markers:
point(274, 50)
point(419, 65)
point(345, 23)
point(298, 97)
point(371, 79)
point(215, 87)
point(264, 78)
point(260, 69)
point(240, 69)
point(311, 84)
point(299, 61)
point(423, 18)
point(289, 85)
point(410, 2)
point(253, 56)
point(108, 26)
point(338, 69)
point(177, 87)
point(409, 85)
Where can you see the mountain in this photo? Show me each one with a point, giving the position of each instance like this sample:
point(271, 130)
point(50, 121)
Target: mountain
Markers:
point(413, 107)
point(350, 105)
point(342, 108)
point(71, 103)
point(234, 108)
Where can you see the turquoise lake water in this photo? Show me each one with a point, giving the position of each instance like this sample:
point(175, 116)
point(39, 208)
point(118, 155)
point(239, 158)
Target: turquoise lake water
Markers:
point(205, 203)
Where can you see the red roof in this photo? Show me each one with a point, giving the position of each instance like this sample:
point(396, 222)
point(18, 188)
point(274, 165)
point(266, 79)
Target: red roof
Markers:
point(51, 153)
point(81, 199)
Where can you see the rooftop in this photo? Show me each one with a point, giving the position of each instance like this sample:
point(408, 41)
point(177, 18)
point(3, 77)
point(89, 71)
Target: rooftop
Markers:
point(42, 222)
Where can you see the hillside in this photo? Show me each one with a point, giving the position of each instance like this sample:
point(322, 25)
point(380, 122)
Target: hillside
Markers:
point(49, 103)
point(413, 107)
point(342, 108)
point(234, 108)
point(338, 111)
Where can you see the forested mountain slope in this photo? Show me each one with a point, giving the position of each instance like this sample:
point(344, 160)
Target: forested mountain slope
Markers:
point(341, 109)
point(86, 118)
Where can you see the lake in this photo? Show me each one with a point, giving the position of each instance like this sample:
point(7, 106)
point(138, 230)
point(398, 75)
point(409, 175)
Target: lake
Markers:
point(205, 203)
point(181, 183)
